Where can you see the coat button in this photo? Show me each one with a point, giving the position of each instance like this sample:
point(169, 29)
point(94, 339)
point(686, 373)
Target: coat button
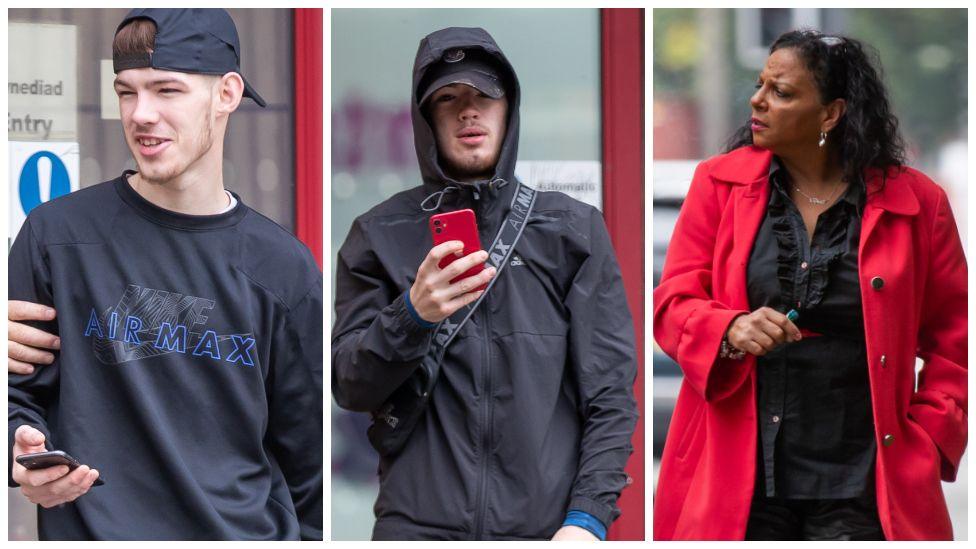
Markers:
point(804, 265)
point(775, 419)
point(877, 283)
point(888, 440)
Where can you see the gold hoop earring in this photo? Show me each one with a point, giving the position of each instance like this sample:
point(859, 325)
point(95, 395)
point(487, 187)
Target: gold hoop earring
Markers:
point(823, 139)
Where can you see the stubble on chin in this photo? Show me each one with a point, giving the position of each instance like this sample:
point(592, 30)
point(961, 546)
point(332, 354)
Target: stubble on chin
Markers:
point(156, 177)
point(163, 175)
point(470, 168)
point(477, 169)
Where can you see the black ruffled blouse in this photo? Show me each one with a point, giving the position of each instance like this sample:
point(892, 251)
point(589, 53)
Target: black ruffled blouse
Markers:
point(816, 429)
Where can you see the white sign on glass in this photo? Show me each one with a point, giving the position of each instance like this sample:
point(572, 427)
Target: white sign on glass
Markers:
point(108, 99)
point(580, 179)
point(42, 82)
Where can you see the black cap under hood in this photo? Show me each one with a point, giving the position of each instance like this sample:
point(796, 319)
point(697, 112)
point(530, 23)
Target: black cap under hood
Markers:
point(431, 50)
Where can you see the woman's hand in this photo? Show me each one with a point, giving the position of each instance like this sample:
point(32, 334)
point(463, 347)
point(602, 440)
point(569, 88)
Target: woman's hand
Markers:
point(761, 331)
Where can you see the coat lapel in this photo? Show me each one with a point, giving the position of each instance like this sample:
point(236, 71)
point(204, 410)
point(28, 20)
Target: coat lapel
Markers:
point(748, 171)
point(750, 208)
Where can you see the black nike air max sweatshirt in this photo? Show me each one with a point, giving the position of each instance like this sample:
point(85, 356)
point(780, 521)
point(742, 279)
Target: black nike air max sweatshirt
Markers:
point(190, 369)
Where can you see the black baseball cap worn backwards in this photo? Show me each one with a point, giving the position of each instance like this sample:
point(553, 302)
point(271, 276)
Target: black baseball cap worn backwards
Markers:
point(197, 40)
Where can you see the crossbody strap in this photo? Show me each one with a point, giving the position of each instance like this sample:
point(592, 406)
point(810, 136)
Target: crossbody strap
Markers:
point(498, 253)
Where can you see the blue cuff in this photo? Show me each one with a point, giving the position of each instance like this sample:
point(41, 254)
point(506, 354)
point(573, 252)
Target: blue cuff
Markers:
point(413, 312)
point(587, 522)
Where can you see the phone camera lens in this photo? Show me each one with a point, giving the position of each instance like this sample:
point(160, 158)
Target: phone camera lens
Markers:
point(438, 231)
point(437, 222)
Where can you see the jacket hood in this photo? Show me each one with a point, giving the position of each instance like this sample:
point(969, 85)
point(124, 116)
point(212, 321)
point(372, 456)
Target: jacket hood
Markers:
point(431, 49)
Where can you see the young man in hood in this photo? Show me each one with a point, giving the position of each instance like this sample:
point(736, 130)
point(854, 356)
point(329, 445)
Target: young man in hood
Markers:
point(527, 430)
point(189, 375)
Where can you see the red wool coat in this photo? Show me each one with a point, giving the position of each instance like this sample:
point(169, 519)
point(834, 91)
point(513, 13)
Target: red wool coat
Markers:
point(913, 289)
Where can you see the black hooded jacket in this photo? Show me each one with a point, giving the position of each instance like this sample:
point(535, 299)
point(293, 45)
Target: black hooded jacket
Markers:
point(533, 412)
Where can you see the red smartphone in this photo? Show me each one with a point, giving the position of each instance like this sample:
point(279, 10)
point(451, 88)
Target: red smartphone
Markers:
point(458, 225)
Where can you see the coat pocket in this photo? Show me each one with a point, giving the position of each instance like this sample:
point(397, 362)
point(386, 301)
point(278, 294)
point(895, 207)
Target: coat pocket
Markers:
point(924, 435)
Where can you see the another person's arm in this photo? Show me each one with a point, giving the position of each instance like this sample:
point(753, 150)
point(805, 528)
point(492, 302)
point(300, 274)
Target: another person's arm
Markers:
point(25, 344)
point(380, 334)
point(603, 357)
point(941, 402)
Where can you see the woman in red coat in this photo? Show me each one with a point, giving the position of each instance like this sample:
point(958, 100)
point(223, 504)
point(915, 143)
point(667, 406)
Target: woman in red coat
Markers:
point(808, 269)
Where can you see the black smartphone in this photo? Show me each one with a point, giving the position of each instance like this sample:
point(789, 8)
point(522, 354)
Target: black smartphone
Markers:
point(43, 460)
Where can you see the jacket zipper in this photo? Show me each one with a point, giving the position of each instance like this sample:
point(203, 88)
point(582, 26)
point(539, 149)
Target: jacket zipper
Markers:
point(482, 509)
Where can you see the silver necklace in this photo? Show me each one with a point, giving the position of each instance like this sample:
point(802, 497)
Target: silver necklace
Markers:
point(815, 200)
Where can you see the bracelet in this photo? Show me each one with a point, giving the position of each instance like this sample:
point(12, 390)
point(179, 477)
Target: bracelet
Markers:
point(730, 352)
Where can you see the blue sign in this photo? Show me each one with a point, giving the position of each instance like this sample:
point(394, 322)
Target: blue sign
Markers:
point(30, 182)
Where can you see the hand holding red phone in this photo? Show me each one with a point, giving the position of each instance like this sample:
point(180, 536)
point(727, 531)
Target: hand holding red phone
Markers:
point(51, 486)
point(433, 295)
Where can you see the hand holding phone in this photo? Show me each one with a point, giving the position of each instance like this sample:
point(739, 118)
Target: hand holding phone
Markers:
point(48, 486)
point(453, 273)
point(44, 460)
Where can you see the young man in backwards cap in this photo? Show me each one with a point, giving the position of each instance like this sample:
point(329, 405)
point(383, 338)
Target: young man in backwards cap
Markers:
point(526, 433)
point(189, 376)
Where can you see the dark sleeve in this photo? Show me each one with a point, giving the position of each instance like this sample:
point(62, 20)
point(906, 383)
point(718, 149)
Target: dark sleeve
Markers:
point(28, 396)
point(295, 395)
point(376, 344)
point(604, 360)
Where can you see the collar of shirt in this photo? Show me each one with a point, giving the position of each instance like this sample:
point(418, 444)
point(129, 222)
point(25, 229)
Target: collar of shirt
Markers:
point(233, 203)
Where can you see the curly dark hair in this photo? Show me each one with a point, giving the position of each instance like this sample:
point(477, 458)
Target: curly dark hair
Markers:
point(867, 135)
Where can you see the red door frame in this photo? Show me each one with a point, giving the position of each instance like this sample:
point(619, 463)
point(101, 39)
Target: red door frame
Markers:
point(622, 62)
point(308, 128)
